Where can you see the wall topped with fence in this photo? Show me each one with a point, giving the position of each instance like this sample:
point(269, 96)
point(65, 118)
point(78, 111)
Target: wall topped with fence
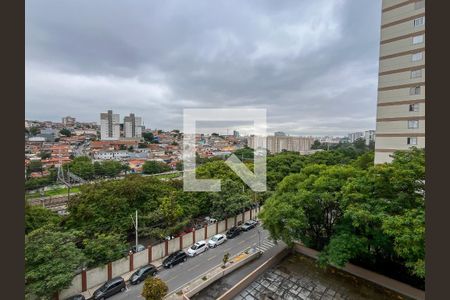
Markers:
point(92, 278)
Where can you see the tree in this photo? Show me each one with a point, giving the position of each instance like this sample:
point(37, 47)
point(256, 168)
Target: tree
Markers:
point(179, 166)
point(35, 130)
point(37, 216)
point(154, 167)
point(82, 166)
point(225, 258)
point(65, 132)
point(35, 166)
point(51, 259)
point(244, 153)
point(154, 289)
point(103, 249)
point(142, 145)
point(316, 145)
point(148, 136)
point(45, 154)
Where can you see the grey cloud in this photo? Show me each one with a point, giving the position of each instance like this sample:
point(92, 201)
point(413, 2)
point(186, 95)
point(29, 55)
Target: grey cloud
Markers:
point(312, 64)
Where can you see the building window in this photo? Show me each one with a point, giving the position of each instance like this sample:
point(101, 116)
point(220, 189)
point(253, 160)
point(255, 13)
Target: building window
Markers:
point(419, 21)
point(414, 90)
point(417, 56)
point(418, 39)
point(414, 107)
point(411, 141)
point(419, 4)
point(413, 124)
point(416, 74)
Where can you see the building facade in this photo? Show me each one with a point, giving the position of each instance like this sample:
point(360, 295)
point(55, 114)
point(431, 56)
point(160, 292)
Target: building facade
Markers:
point(68, 121)
point(401, 83)
point(277, 144)
point(132, 126)
point(109, 126)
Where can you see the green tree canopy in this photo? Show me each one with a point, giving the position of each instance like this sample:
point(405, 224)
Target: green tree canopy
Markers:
point(51, 259)
point(37, 216)
point(155, 167)
point(65, 132)
point(154, 289)
point(104, 248)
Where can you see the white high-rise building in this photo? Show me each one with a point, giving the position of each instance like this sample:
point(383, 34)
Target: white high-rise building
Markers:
point(132, 126)
point(401, 83)
point(109, 126)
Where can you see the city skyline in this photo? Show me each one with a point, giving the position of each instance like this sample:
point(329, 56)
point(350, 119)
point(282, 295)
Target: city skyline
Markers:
point(207, 60)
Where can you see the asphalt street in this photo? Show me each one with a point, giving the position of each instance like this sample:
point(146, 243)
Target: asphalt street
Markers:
point(196, 266)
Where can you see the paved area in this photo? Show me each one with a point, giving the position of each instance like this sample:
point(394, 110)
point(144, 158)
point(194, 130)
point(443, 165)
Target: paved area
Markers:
point(275, 284)
point(196, 266)
point(298, 277)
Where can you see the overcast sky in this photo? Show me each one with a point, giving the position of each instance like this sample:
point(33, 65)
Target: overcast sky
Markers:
point(312, 64)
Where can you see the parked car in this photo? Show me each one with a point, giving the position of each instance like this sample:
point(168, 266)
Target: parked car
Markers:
point(210, 220)
point(109, 288)
point(76, 297)
point(174, 259)
point(233, 232)
point(217, 240)
point(137, 248)
point(250, 224)
point(197, 248)
point(142, 273)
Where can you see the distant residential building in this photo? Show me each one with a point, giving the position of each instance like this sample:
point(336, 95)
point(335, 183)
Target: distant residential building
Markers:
point(132, 126)
point(236, 133)
point(109, 126)
point(49, 134)
point(279, 133)
point(277, 144)
point(68, 121)
point(369, 136)
point(111, 155)
point(352, 137)
point(401, 79)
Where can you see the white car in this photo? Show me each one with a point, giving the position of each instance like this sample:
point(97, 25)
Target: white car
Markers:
point(217, 240)
point(197, 248)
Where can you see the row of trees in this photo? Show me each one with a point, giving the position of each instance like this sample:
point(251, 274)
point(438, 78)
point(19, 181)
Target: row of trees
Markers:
point(98, 224)
point(356, 212)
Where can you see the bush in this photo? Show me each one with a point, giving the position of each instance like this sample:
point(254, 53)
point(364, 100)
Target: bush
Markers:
point(154, 289)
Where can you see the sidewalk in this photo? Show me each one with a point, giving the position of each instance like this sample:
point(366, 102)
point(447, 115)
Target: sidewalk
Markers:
point(90, 292)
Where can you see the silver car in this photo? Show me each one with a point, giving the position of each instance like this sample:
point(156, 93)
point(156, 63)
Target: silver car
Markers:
point(217, 240)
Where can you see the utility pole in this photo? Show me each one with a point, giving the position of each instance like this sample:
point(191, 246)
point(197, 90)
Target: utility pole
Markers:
point(135, 223)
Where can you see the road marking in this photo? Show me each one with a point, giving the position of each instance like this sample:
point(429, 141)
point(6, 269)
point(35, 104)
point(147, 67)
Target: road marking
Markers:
point(212, 257)
point(252, 236)
point(172, 278)
point(190, 269)
point(241, 242)
point(226, 250)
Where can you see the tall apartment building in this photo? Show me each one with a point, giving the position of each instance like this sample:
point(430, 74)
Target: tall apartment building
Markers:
point(401, 83)
point(277, 144)
point(109, 126)
point(368, 136)
point(132, 126)
point(68, 121)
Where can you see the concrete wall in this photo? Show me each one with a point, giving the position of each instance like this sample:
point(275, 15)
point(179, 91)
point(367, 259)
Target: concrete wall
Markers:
point(376, 278)
point(140, 259)
point(230, 222)
point(157, 251)
point(119, 267)
point(200, 234)
point(247, 215)
point(74, 288)
point(187, 239)
point(211, 230)
point(97, 276)
point(221, 226)
point(174, 245)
